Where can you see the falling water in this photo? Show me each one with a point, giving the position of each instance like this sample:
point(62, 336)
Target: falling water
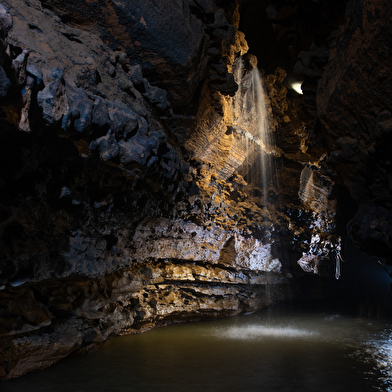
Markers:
point(251, 123)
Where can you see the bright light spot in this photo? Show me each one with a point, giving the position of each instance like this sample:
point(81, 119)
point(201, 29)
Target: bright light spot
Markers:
point(297, 87)
point(257, 332)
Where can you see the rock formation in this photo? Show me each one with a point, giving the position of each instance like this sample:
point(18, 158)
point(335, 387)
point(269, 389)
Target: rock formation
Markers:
point(358, 134)
point(129, 197)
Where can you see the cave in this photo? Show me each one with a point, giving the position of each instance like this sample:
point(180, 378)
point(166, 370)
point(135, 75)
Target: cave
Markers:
point(219, 168)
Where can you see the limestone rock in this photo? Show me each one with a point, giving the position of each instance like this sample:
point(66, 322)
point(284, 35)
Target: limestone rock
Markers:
point(27, 92)
point(36, 73)
point(5, 83)
point(358, 132)
point(5, 21)
point(27, 313)
point(53, 101)
point(371, 229)
point(187, 241)
point(137, 77)
point(80, 109)
point(155, 95)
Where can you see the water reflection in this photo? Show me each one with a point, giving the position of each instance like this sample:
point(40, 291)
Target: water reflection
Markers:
point(278, 350)
point(379, 351)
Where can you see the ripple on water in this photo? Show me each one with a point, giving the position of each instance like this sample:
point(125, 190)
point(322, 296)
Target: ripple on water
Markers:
point(379, 352)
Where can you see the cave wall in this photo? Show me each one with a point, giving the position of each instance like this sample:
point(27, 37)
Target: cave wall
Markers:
point(353, 105)
point(342, 57)
point(127, 200)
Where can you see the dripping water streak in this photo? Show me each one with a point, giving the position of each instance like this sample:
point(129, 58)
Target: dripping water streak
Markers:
point(251, 121)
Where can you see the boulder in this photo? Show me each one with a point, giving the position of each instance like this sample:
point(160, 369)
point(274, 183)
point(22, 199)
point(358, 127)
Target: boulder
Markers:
point(52, 100)
point(100, 113)
point(19, 68)
point(80, 108)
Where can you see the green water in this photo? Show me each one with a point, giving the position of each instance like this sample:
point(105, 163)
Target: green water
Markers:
point(277, 350)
